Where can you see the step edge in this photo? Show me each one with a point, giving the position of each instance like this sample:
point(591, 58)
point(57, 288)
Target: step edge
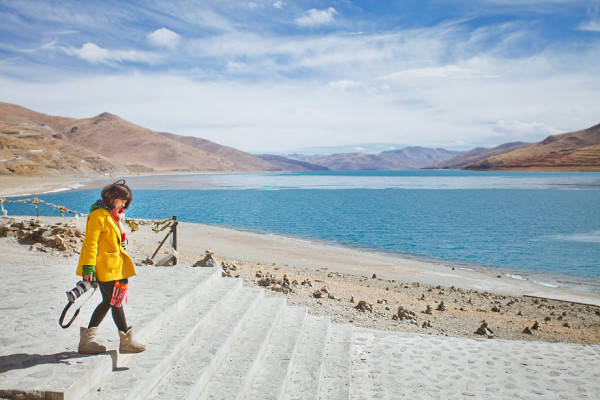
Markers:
point(216, 360)
point(304, 311)
point(98, 368)
point(145, 387)
point(260, 355)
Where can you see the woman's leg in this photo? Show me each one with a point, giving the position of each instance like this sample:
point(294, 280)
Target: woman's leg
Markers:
point(106, 288)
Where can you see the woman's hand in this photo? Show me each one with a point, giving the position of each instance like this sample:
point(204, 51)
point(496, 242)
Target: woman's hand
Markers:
point(87, 277)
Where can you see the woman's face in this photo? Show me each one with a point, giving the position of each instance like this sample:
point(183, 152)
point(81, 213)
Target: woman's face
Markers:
point(119, 204)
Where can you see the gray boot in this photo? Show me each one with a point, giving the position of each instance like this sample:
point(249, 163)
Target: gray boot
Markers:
point(128, 344)
point(87, 342)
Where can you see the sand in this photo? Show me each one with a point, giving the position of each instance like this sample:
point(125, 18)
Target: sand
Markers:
point(384, 281)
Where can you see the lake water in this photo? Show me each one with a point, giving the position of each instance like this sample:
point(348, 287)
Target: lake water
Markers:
point(539, 226)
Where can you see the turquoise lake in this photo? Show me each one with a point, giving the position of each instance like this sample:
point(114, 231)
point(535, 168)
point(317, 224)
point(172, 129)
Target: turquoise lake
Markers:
point(539, 226)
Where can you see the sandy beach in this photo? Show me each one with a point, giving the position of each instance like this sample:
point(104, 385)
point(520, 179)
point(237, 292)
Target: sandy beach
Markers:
point(332, 279)
point(345, 276)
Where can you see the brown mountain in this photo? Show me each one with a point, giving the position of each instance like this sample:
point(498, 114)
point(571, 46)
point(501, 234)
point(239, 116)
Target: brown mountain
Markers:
point(573, 151)
point(290, 164)
point(119, 145)
point(405, 158)
point(477, 154)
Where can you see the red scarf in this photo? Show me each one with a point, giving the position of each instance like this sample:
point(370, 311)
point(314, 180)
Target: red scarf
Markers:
point(118, 216)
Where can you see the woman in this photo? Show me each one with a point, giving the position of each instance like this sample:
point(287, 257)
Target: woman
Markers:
point(103, 255)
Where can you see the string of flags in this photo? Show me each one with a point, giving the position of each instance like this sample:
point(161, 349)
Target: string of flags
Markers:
point(34, 201)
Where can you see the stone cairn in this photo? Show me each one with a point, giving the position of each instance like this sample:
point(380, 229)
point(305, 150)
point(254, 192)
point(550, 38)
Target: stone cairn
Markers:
point(64, 238)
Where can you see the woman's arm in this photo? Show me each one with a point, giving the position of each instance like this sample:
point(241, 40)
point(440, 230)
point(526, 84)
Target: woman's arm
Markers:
point(89, 249)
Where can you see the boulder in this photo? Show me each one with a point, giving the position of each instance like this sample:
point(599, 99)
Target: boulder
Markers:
point(484, 330)
point(364, 306)
point(208, 261)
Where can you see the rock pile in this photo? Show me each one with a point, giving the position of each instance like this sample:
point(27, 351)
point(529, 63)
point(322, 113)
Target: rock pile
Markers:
point(208, 261)
point(364, 306)
point(60, 237)
point(227, 270)
point(484, 330)
point(405, 314)
point(282, 285)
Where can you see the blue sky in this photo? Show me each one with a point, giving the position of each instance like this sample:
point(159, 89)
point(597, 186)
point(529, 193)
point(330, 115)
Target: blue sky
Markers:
point(277, 76)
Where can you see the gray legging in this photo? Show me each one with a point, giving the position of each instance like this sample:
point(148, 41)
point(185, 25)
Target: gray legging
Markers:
point(106, 288)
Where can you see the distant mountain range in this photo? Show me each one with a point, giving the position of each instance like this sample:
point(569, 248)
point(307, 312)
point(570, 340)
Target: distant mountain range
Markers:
point(33, 143)
point(406, 158)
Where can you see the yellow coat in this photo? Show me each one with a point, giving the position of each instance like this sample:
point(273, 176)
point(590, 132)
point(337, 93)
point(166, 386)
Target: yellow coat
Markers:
point(102, 247)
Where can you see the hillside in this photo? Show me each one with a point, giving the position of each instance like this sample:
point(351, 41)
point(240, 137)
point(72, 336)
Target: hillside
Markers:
point(115, 144)
point(575, 151)
point(290, 164)
point(475, 155)
point(406, 158)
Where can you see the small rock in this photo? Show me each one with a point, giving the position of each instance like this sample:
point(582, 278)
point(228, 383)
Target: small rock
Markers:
point(527, 331)
point(404, 313)
point(426, 324)
point(422, 297)
point(566, 325)
point(535, 326)
point(428, 310)
point(208, 261)
point(325, 289)
point(364, 306)
point(331, 296)
point(264, 282)
point(351, 299)
point(484, 330)
point(496, 309)
point(277, 288)
point(374, 276)
point(441, 306)
point(317, 294)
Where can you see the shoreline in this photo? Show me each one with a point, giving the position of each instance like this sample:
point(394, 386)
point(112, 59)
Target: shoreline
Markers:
point(571, 289)
point(437, 299)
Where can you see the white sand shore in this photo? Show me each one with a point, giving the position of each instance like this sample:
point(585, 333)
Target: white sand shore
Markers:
point(470, 295)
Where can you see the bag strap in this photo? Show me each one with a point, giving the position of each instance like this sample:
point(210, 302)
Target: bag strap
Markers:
point(64, 312)
point(69, 304)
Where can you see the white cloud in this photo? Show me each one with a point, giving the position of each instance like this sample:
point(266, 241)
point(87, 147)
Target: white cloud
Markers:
point(345, 84)
point(314, 17)
point(164, 37)
point(593, 23)
point(95, 54)
point(252, 4)
point(278, 4)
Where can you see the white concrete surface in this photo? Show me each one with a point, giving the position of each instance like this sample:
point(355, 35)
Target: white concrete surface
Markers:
point(208, 337)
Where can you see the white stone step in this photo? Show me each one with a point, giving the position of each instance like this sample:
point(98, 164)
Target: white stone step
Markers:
point(233, 374)
point(188, 376)
point(304, 374)
point(271, 372)
point(335, 379)
point(60, 369)
point(167, 345)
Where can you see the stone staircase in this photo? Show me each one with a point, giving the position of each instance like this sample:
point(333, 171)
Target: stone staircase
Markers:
point(232, 342)
point(212, 338)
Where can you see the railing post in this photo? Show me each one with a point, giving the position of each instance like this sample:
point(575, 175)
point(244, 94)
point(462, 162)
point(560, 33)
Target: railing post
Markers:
point(174, 230)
